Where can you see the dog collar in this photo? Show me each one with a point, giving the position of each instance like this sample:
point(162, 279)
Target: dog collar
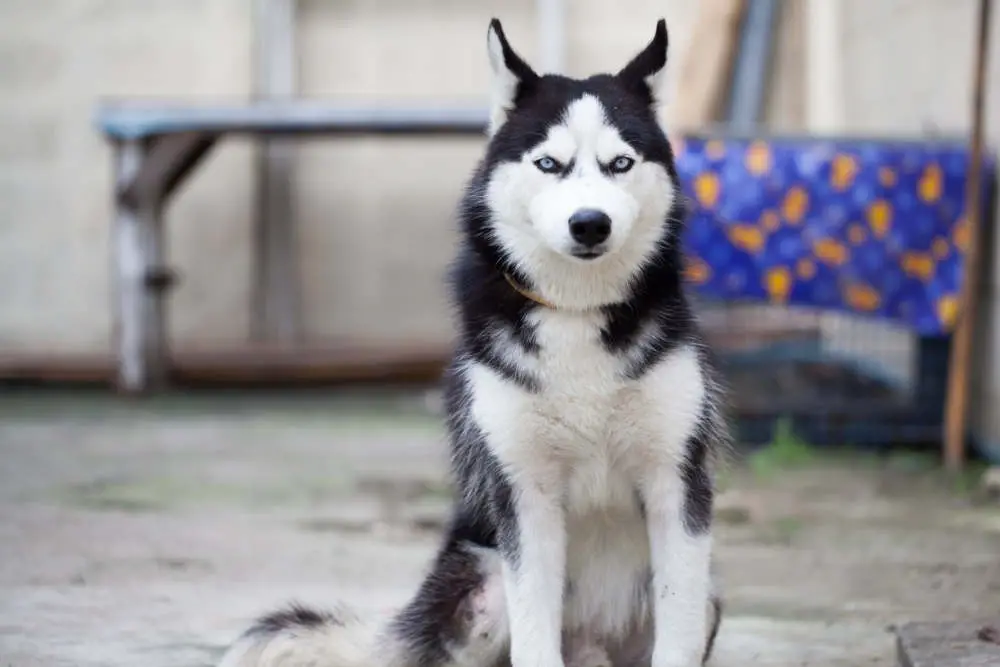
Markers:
point(526, 293)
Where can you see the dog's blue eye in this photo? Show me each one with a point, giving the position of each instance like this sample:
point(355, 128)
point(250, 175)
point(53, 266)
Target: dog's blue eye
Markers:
point(621, 164)
point(548, 165)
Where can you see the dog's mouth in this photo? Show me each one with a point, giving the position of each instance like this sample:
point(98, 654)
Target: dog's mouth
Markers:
point(585, 253)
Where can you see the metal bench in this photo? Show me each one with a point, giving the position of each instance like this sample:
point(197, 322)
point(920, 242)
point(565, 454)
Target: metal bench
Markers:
point(156, 147)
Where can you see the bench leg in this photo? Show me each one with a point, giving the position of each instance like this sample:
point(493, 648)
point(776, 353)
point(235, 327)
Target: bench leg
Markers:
point(140, 323)
point(276, 304)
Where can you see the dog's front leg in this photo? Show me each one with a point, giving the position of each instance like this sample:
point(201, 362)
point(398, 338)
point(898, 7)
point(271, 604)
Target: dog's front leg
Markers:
point(534, 570)
point(678, 509)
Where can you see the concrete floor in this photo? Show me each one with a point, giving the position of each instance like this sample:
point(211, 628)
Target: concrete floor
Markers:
point(150, 534)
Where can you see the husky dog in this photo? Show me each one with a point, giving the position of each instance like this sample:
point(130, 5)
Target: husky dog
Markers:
point(581, 406)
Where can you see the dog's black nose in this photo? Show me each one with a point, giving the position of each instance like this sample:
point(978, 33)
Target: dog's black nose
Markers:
point(588, 226)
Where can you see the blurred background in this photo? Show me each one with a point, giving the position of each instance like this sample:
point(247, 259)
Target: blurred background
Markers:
point(289, 441)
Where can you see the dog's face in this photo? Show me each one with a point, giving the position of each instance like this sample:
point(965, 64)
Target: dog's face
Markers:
point(580, 179)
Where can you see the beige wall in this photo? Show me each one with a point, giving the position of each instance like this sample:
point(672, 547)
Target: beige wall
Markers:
point(56, 59)
point(376, 216)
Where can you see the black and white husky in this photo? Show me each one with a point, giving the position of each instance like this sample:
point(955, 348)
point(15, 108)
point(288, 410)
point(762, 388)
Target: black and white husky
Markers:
point(581, 406)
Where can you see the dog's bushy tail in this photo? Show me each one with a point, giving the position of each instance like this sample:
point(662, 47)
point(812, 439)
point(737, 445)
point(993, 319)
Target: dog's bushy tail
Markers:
point(297, 636)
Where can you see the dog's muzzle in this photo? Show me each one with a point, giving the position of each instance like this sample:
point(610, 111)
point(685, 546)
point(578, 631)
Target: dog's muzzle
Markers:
point(589, 228)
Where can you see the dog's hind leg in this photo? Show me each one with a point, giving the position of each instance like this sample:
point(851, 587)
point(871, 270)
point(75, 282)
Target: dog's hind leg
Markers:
point(458, 617)
point(714, 621)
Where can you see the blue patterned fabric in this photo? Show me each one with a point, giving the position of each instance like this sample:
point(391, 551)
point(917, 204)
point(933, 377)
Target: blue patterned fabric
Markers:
point(866, 227)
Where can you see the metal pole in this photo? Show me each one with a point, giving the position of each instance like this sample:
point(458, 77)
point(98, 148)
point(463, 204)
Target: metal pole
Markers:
point(749, 87)
point(275, 307)
point(130, 265)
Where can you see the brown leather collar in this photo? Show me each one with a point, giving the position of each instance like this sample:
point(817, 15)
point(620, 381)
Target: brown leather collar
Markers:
point(527, 293)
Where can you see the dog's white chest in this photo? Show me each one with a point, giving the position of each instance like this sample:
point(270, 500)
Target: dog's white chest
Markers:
point(573, 419)
point(586, 421)
point(580, 387)
point(585, 414)
point(590, 434)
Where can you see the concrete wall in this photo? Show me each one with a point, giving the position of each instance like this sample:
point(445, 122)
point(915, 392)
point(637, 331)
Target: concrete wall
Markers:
point(56, 60)
point(376, 216)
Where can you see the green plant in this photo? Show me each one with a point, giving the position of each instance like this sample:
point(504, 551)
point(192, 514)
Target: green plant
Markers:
point(786, 450)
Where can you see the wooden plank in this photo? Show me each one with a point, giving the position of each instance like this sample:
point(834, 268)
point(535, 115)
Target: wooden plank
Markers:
point(276, 306)
point(949, 644)
point(956, 408)
point(705, 72)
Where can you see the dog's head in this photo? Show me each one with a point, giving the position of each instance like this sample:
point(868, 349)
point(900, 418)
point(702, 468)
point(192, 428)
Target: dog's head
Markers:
point(578, 177)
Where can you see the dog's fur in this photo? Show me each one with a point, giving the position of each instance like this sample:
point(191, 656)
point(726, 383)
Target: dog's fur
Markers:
point(581, 406)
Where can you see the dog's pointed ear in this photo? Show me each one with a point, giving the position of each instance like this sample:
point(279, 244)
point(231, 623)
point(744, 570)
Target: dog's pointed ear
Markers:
point(646, 72)
point(510, 72)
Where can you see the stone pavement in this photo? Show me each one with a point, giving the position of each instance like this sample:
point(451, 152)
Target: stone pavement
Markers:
point(151, 533)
